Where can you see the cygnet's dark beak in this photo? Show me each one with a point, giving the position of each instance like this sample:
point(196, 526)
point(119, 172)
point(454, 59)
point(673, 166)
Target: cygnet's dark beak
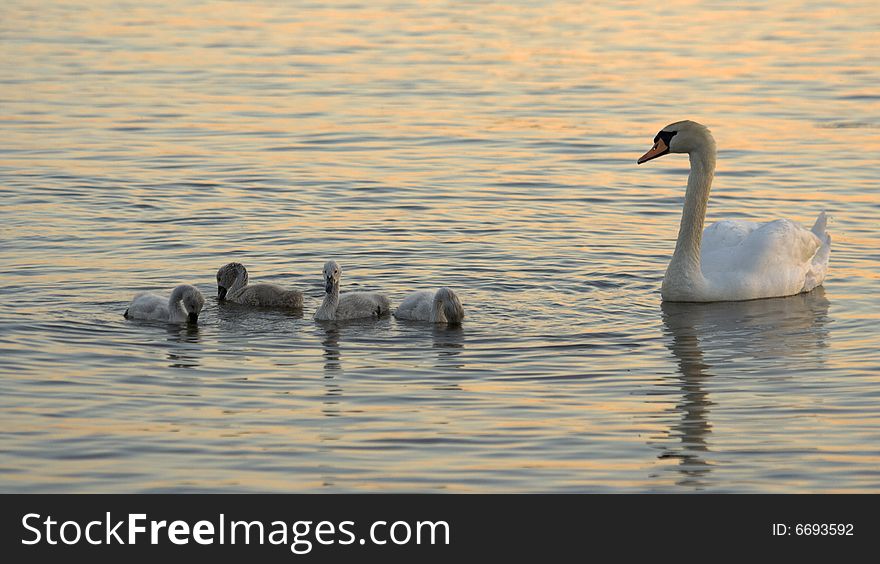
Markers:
point(221, 293)
point(193, 317)
point(329, 286)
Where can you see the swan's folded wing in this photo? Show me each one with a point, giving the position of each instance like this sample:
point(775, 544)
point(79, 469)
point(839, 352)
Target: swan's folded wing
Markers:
point(361, 304)
point(777, 243)
point(784, 241)
point(773, 260)
point(727, 233)
point(146, 305)
point(268, 295)
point(416, 306)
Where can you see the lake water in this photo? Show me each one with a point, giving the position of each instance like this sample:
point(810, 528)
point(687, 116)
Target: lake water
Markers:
point(487, 147)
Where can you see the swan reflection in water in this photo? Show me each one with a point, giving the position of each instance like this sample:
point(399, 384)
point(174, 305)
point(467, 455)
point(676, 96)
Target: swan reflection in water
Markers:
point(448, 343)
point(330, 343)
point(185, 345)
point(761, 336)
point(332, 368)
point(333, 429)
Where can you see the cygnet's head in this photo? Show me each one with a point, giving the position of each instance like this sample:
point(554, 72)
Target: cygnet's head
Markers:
point(680, 137)
point(226, 277)
point(191, 299)
point(332, 272)
point(451, 306)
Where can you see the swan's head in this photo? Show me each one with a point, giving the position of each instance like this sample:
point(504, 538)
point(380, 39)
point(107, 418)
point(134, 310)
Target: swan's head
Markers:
point(679, 137)
point(451, 306)
point(332, 272)
point(191, 299)
point(226, 277)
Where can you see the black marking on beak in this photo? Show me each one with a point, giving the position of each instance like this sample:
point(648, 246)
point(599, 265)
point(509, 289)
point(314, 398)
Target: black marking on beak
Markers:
point(221, 293)
point(193, 317)
point(661, 146)
point(328, 287)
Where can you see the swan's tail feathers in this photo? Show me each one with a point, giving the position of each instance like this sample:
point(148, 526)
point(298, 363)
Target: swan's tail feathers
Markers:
point(819, 264)
point(819, 226)
point(825, 250)
point(452, 309)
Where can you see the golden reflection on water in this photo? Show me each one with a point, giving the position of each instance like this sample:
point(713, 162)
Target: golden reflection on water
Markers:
point(491, 147)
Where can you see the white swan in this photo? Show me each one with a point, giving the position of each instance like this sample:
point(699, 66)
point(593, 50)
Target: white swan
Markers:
point(440, 306)
point(232, 285)
point(185, 304)
point(351, 305)
point(733, 260)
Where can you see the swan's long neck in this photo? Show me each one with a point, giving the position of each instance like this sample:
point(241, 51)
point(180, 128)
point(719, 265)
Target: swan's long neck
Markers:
point(240, 282)
point(175, 304)
point(330, 303)
point(437, 315)
point(685, 264)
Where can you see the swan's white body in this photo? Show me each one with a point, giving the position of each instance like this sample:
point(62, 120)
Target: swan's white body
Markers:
point(434, 306)
point(351, 305)
point(733, 260)
point(232, 286)
point(185, 304)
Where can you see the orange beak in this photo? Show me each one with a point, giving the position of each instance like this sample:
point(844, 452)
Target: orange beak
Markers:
point(658, 150)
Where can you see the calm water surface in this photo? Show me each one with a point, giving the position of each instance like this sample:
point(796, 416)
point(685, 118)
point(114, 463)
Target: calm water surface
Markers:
point(488, 147)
